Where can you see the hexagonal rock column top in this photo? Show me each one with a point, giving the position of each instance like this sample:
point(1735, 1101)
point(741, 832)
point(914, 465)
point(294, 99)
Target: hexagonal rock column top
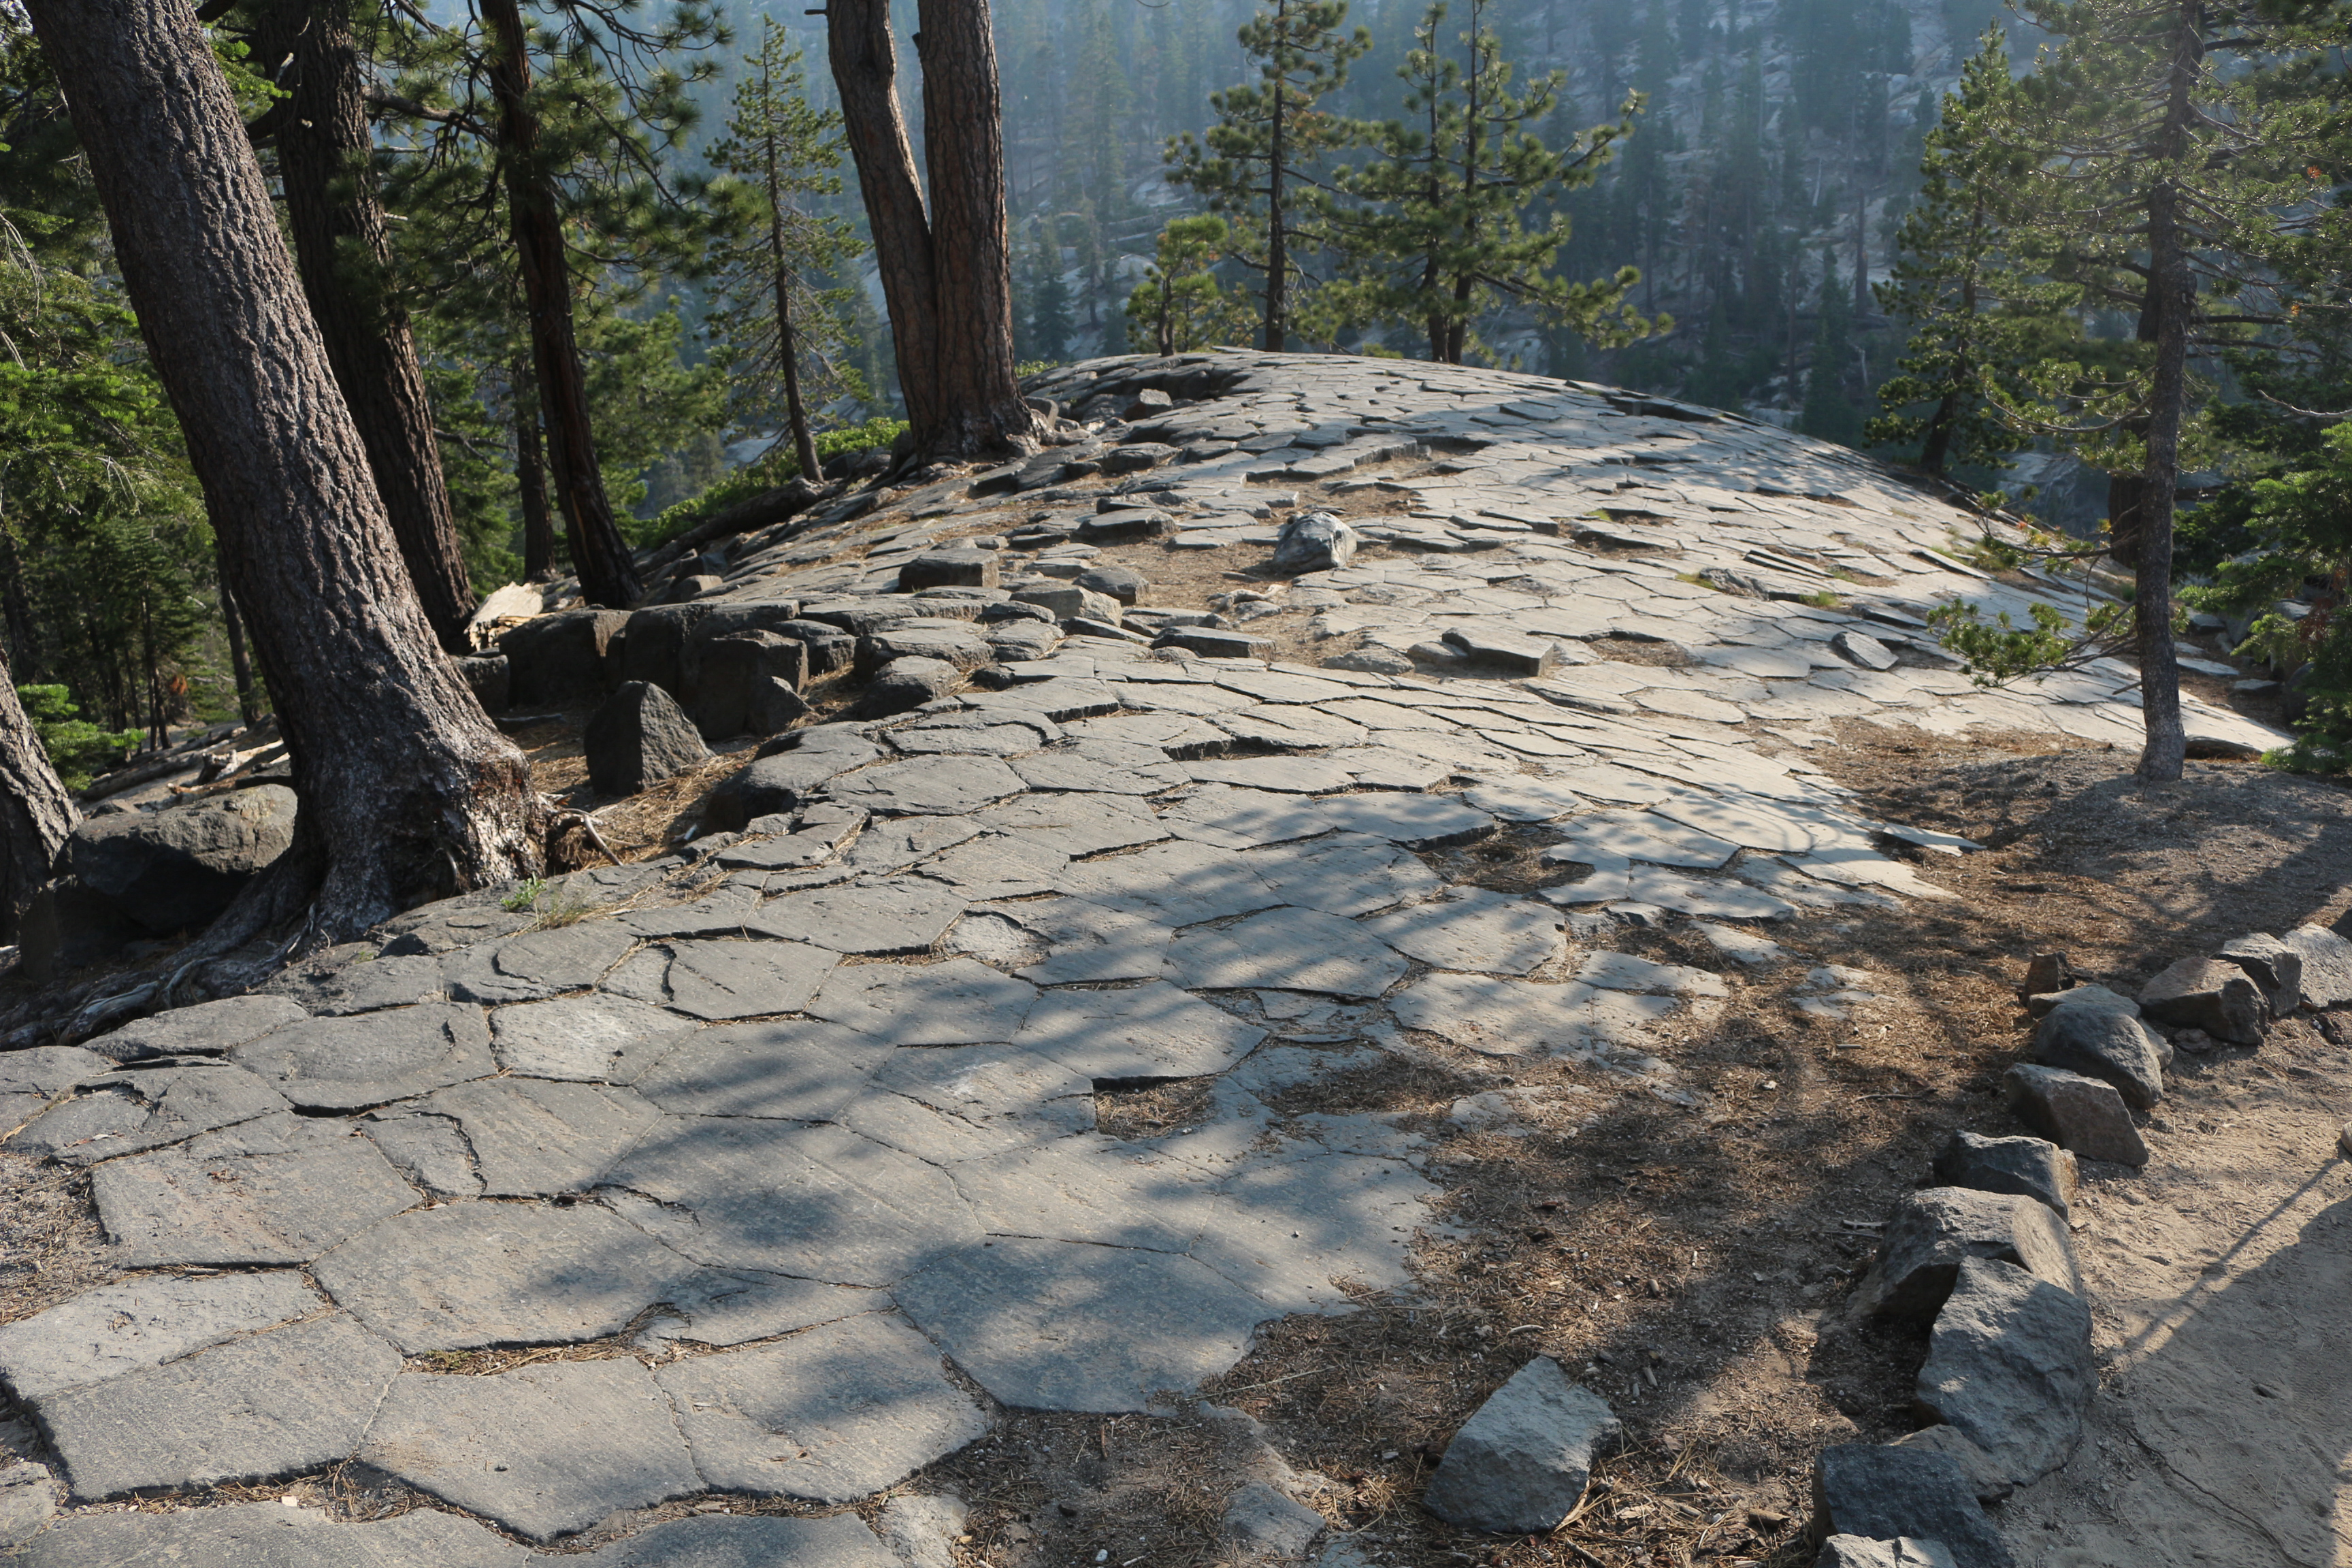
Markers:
point(143, 1322)
point(747, 1541)
point(343, 1064)
point(831, 1414)
point(721, 980)
point(544, 1451)
point(284, 1203)
point(276, 1404)
point(468, 1275)
point(269, 1535)
point(1058, 1325)
point(537, 964)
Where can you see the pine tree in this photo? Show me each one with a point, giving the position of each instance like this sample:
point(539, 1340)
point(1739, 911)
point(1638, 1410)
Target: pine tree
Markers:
point(1180, 305)
point(1445, 234)
point(773, 328)
point(1829, 412)
point(1254, 164)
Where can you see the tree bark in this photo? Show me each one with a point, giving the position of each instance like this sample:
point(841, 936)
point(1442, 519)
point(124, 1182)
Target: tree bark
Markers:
point(531, 474)
point(864, 61)
point(36, 813)
point(344, 249)
point(407, 791)
point(608, 573)
point(787, 348)
point(240, 664)
point(1277, 218)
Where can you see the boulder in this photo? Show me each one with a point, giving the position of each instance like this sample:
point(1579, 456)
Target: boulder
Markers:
point(2209, 994)
point(2083, 1114)
point(174, 869)
point(904, 684)
point(961, 568)
point(2326, 965)
point(2101, 1041)
point(1888, 1493)
point(1519, 1464)
point(1860, 648)
point(749, 684)
point(2031, 1167)
point(1854, 1552)
point(1936, 1230)
point(489, 677)
point(557, 658)
point(829, 647)
point(638, 738)
point(958, 643)
point(2010, 1365)
point(1314, 541)
point(1124, 583)
point(2275, 969)
point(1071, 601)
point(1983, 1472)
point(1147, 403)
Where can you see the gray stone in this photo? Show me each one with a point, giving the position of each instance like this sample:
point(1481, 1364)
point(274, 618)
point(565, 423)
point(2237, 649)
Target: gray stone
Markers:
point(552, 659)
point(874, 919)
point(1887, 1493)
point(1415, 821)
point(269, 1535)
point(747, 1541)
point(29, 1080)
point(749, 684)
point(1860, 648)
point(1983, 1472)
point(1520, 1464)
point(489, 677)
point(2326, 965)
point(1371, 659)
point(340, 1064)
point(954, 1003)
point(784, 782)
point(539, 963)
point(174, 869)
point(792, 1069)
point(534, 1138)
point(364, 984)
point(2083, 1114)
point(1935, 1230)
point(209, 1028)
point(2010, 1364)
point(467, 1275)
point(930, 786)
point(1134, 459)
point(143, 1322)
point(1472, 928)
point(428, 1150)
point(955, 568)
point(717, 980)
point(1286, 949)
point(946, 642)
point(921, 1531)
point(830, 1416)
point(1522, 656)
point(1067, 602)
point(1125, 525)
point(906, 684)
point(275, 1403)
point(2033, 1167)
point(722, 1309)
point(1314, 541)
point(1152, 1030)
point(442, 928)
point(1215, 643)
point(509, 1448)
point(1853, 1551)
point(145, 1108)
point(1057, 1325)
point(638, 738)
point(2106, 1043)
point(28, 1500)
point(196, 1207)
point(1342, 873)
point(2272, 965)
point(2209, 994)
point(1124, 583)
point(573, 1037)
point(1260, 1523)
point(821, 1203)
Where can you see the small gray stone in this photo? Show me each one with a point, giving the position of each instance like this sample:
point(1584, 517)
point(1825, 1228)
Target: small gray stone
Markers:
point(1314, 541)
point(722, 1309)
point(1522, 656)
point(747, 1541)
point(1261, 1523)
point(1935, 1229)
point(192, 1206)
point(922, 1531)
point(1520, 1464)
point(1070, 602)
point(638, 738)
point(1860, 648)
point(749, 684)
point(2272, 965)
point(833, 1415)
point(958, 568)
point(2009, 1363)
point(209, 1028)
point(1146, 1031)
point(146, 1108)
point(2083, 1114)
point(272, 1405)
point(784, 782)
point(141, 1323)
point(1887, 1493)
point(1124, 525)
point(343, 1064)
point(1124, 583)
point(539, 963)
point(269, 1535)
point(362, 983)
point(2034, 1167)
point(511, 1448)
point(2326, 965)
point(1472, 928)
point(1213, 644)
point(2105, 1043)
point(2209, 994)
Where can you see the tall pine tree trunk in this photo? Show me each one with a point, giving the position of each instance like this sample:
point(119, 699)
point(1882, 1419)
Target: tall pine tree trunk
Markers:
point(36, 813)
point(787, 348)
point(864, 61)
point(343, 249)
point(1277, 221)
point(241, 663)
point(407, 791)
point(531, 474)
point(608, 573)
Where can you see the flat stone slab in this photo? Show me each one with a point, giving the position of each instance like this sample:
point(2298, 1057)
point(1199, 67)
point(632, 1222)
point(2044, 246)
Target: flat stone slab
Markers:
point(2010, 1365)
point(286, 1205)
point(1289, 950)
point(148, 1108)
point(469, 1275)
point(735, 1309)
point(747, 1541)
point(790, 1069)
point(717, 980)
point(821, 1203)
point(511, 1448)
point(874, 919)
point(954, 1003)
point(209, 1028)
point(1639, 835)
point(1153, 1030)
point(1415, 821)
point(946, 786)
point(1343, 873)
point(1498, 1017)
point(1627, 971)
point(341, 982)
point(1290, 1228)
point(830, 1416)
point(143, 1322)
point(1177, 884)
point(574, 1036)
point(343, 1064)
point(1520, 1464)
point(535, 1137)
point(269, 1535)
point(1232, 817)
point(1057, 1325)
point(1472, 928)
point(276, 1404)
point(1075, 823)
point(537, 964)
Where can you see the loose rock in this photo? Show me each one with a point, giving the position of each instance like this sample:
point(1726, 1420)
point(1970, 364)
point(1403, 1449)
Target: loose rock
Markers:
point(2106, 1043)
point(2326, 965)
point(2034, 1167)
point(950, 569)
point(2079, 1113)
point(638, 738)
point(1519, 1466)
point(921, 1531)
point(1314, 541)
point(2010, 1365)
point(2209, 994)
point(2273, 966)
point(1261, 1524)
point(1888, 1493)
point(1934, 1231)
point(905, 684)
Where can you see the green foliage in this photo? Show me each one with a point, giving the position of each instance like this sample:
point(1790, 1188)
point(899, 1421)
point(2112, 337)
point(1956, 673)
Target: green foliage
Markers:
point(523, 896)
point(1998, 652)
point(1180, 305)
point(777, 466)
point(78, 749)
point(1829, 412)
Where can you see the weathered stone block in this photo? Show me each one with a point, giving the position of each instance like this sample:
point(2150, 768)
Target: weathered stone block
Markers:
point(2034, 1167)
point(2083, 1114)
point(1934, 1231)
point(2104, 1042)
point(2010, 1365)
point(557, 659)
point(638, 738)
point(1520, 1465)
point(2209, 994)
